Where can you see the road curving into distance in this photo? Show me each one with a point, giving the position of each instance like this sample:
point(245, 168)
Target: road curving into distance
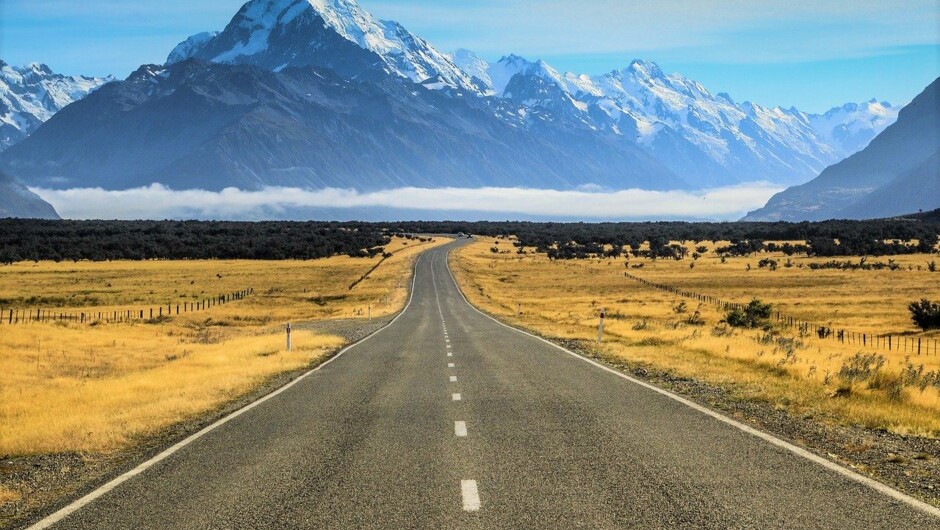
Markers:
point(449, 419)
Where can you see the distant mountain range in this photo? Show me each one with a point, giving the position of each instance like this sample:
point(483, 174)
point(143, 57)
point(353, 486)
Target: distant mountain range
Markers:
point(711, 140)
point(897, 173)
point(31, 94)
point(17, 201)
point(318, 93)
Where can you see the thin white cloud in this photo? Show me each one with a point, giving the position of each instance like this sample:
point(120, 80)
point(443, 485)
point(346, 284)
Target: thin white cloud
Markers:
point(740, 31)
point(159, 202)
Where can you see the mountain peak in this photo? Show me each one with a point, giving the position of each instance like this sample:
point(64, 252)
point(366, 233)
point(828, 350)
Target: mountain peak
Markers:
point(514, 60)
point(646, 68)
point(334, 34)
point(31, 94)
point(475, 67)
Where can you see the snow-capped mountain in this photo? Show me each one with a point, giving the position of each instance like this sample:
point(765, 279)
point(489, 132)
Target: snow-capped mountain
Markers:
point(31, 94)
point(475, 67)
point(212, 126)
point(851, 127)
point(710, 139)
point(897, 173)
point(319, 93)
point(335, 34)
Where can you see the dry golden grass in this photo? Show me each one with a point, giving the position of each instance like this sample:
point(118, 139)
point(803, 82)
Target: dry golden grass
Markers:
point(7, 496)
point(798, 373)
point(98, 388)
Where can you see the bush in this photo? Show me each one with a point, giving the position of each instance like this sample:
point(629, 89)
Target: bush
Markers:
point(755, 315)
point(925, 314)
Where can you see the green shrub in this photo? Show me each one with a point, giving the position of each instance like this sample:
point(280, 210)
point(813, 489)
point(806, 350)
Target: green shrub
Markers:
point(925, 314)
point(754, 315)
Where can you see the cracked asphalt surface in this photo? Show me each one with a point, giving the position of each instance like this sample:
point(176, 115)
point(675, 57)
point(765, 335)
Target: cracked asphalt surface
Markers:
point(368, 441)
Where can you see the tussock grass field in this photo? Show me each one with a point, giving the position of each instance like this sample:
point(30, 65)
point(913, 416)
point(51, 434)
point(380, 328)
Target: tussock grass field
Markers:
point(95, 389)
point(799, 372)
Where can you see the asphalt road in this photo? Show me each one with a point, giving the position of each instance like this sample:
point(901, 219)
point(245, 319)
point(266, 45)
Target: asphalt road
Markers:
point(537, 438)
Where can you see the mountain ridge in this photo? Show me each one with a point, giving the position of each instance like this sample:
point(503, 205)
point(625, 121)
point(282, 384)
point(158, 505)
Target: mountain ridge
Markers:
point(634, 127)
point(684, 125)
point(250, 127)
point(899, 162)
point(18, 201)
point(31, 94)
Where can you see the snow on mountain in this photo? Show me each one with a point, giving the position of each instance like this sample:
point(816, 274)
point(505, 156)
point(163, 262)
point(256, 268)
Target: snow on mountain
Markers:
point(190, 46)
point(215, 126)
point(31, 94)
point(710, 138)
point(851, 127)
point(336, 34)
point(476, 68)
point(896, 174)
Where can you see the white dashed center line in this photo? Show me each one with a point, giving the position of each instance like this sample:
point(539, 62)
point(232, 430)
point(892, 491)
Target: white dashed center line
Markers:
point(468, 488)
point(471, 497)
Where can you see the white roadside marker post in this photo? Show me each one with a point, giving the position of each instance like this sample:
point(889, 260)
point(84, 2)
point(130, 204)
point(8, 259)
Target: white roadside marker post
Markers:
point(289, 345)
point(600, 327)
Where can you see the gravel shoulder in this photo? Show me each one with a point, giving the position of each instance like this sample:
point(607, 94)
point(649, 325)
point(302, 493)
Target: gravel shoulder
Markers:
point(910, 464)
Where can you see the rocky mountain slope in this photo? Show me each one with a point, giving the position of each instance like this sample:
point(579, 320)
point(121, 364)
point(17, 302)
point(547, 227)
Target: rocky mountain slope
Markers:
point(897, 173)
point(17, 201)
point(228, 110)
point(30, 95)
point(212, 126)
point(708, 138)
point(334, 34)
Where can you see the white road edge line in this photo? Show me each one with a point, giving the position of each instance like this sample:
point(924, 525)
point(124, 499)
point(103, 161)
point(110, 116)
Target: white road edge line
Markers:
point(799, 451)
point(460, 429)
point(80, 503)
point(455, 397)
point(470, 494)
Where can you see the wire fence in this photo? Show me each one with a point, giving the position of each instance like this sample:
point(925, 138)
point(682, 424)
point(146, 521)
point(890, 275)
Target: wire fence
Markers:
point(913, 345)
point(13, 316)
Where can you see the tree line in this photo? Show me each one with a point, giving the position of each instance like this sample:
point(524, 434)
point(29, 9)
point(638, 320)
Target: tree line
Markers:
point(146, 240)
point(276, 240)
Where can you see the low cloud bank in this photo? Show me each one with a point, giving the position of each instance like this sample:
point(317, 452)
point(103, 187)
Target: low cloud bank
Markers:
point(159, 202)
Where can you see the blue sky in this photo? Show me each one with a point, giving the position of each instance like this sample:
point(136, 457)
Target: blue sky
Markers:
point(808, 54)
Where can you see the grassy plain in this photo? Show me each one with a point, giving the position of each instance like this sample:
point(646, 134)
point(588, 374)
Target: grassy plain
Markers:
point(94, 389)
point(794, 371)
